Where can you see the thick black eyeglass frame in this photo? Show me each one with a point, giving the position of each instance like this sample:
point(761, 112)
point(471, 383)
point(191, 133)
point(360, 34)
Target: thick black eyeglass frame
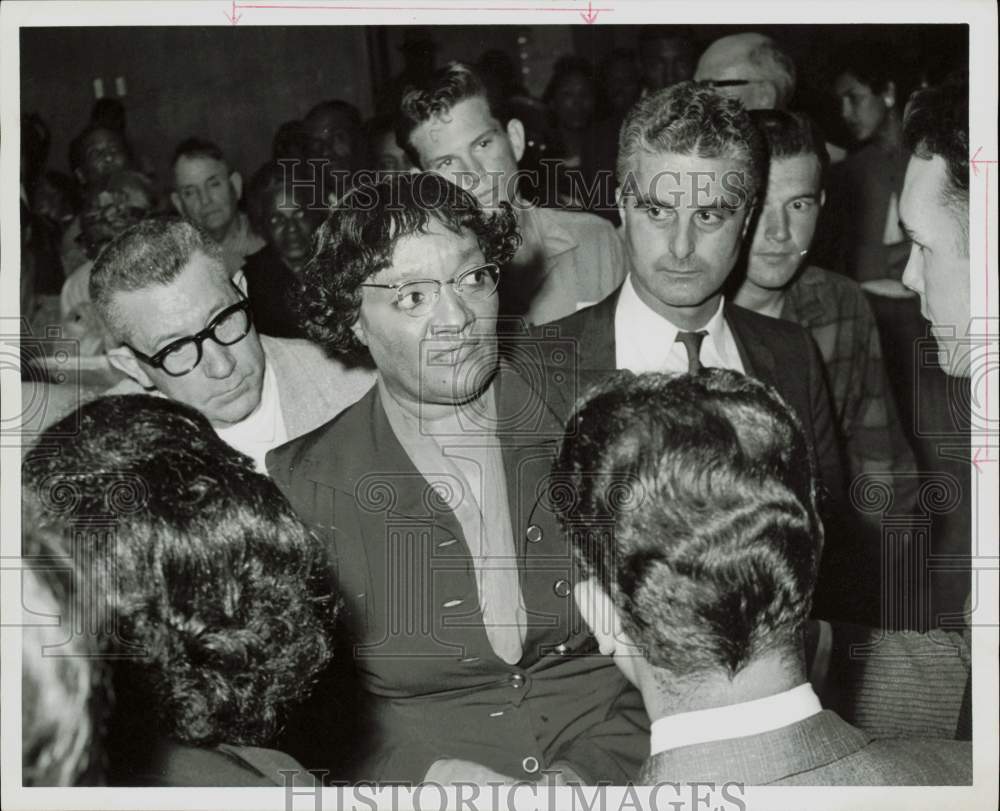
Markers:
point(156, 361)
point(713, 83)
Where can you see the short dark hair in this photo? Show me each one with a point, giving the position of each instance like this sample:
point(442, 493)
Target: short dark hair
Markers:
point(151, 252)
point(221, 595)
point(937, 123)
point(687, 118)
point(444, 89)
point(692, 502)
point(359, 237)
point(197, 148)
point(871, 63)
point(789, 134)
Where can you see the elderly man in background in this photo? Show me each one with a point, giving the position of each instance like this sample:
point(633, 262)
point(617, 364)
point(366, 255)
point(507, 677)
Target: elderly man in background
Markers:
point(206, 191)
point(749, 67)
point(698, 584)
point(427, 491)
point(185, 331)
point(453, 126)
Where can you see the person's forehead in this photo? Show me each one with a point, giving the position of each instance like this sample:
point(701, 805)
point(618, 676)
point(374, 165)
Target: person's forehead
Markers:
point(670, 170)
point(183, 304)
point(920, 204)
point(434, 253)
point(101, 139)
point(467, 118)
point(795, 173)
point(198, 167)
point(848, 83)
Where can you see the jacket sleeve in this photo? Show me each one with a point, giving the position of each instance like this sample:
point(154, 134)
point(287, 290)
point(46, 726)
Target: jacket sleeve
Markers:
point(825, 436)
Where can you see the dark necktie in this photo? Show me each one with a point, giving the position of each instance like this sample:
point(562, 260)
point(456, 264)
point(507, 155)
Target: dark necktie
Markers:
point(692, 343)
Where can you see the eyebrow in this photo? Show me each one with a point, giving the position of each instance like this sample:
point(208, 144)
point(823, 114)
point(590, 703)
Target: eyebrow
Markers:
point(403, 274)
point(170, 337)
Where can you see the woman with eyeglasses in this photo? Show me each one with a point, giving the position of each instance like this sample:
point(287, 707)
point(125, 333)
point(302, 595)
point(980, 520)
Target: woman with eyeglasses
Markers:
point(429, 493)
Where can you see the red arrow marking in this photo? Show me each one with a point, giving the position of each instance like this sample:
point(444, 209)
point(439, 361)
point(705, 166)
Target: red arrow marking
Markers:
point(977, 459)
point(593, 11)
point(976, 162)
point(232, 16)
point(590, 17)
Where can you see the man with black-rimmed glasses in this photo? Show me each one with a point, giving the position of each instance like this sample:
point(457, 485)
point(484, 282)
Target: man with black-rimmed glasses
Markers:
point(186, 332)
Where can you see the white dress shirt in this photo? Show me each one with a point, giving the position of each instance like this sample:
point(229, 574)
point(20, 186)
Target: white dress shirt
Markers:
point(646, 342)
point(263, 429)
point(734, 721)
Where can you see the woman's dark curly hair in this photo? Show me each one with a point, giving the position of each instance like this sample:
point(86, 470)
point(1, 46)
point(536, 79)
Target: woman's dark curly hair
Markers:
point(221, 598)
point(359, 237)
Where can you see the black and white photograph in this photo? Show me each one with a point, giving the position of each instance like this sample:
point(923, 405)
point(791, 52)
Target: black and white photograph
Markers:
point(520, 405)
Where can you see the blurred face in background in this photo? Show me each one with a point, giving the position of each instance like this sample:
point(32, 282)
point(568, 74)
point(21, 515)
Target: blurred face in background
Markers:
point(291, 218)
point(862, 109)
point(665, 61)
point(573, 102)
point(122, 202)
point(207, 193)
point(104, 153)
point(389, 157)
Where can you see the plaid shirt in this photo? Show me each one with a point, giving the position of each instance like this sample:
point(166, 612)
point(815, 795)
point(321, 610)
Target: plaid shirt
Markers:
point(834, 309)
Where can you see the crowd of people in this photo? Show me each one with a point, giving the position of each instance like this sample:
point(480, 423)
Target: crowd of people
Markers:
point(421, 469)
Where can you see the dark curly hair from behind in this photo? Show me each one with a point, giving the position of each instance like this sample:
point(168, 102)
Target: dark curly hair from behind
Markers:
point(693, 506)
point(359, 237)
point(220, 595)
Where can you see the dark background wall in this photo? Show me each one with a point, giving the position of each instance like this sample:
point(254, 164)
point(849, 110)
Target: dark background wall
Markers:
point(236, 85)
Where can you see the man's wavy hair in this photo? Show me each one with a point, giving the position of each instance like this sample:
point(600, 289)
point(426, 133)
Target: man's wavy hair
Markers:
point(445, 88)
point(937, 123)
point(220, 595)
point(694, 508)
point(688, 119)
point(359, 238)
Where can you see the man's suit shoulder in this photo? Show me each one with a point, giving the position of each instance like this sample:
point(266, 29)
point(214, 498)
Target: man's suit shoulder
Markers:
point(763, 325)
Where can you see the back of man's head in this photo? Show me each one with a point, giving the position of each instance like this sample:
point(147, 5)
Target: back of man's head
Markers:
point(936, 122)
point(690, 120)
point(152, 252)
point(705, 484)
point(753, 58)
point(436, 96)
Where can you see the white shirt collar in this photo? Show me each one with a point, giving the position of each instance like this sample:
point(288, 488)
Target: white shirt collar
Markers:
point(734, 721)
point(264, 428)
point(645, 341)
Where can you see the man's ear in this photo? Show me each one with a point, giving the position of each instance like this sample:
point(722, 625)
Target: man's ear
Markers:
point(515, 133)
point(121, 358)
point(599, 613)
point(620, 202)
point(822, 198)
point(175, 198)
point(236, 179)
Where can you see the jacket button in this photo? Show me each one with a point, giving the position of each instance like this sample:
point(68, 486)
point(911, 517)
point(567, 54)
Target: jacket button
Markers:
point(530, 764)
point(562, 649)
point(517, 681)
point(562, 588)
point(533, 533)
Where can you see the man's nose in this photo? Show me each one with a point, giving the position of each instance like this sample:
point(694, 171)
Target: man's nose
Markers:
point(452, 312)
point(776, 225)
point(911, 273)
point(217, 360)
point(681, 245)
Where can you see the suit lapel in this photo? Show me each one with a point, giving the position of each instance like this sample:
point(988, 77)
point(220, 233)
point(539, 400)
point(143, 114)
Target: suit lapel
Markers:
point(596, 349)
point(758, 360)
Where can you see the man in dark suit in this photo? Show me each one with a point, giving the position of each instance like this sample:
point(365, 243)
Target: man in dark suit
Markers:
point(455, 574)
point(691, 169)
point(695, 528)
